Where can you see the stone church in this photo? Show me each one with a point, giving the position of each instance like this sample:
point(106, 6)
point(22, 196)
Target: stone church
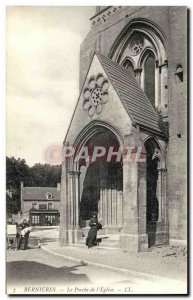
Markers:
point(133, 93)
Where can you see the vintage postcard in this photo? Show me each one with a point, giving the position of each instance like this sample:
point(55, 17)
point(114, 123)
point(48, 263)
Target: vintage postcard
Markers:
point(96, 166)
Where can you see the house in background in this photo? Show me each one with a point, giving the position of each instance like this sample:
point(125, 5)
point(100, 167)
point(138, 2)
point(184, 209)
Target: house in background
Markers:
point(42, 203)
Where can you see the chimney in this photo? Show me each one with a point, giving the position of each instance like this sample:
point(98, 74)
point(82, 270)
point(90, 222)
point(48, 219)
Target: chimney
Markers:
point(58, 186)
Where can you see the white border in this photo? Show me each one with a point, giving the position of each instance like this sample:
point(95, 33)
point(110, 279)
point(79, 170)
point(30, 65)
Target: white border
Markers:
point(3, 5)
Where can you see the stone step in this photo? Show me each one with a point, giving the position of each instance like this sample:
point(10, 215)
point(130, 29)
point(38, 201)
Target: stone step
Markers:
point(105, 247)
point(113, 238)
point(103, 232)
point(34, 241)
point(105, 242)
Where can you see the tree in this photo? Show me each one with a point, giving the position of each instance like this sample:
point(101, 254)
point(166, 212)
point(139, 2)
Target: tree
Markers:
point(45, 175)
point(12, 205)
point(16, 171)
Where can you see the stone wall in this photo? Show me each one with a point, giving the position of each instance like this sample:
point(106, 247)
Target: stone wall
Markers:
point(177, 154)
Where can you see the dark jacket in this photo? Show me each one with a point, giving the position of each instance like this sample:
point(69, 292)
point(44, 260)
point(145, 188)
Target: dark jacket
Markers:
point(94, 223)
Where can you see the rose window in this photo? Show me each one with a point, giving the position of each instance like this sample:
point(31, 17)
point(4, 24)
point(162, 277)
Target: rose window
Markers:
point(95, 95)
point(136, 45)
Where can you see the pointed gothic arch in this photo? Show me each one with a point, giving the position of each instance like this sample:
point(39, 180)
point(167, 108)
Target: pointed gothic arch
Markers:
point(129, 64)
point(138, 38)
point(143, 26)
point(97, 184)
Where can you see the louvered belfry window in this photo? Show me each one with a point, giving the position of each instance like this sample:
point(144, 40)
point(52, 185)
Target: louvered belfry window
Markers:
point(149, 83)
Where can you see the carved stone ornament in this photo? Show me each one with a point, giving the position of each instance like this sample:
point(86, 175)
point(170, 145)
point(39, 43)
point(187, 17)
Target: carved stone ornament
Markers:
point(156, 154)
point(95, 94)
point(136, 45)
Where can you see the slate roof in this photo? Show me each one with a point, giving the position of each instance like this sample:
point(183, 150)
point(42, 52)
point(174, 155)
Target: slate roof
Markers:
point(131, 94)
point(39, 193)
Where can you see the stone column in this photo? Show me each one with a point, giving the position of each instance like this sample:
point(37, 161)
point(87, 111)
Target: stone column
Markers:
point(105, 201)
point(133, 237)
point(71, 198)
point(142, 80)
point(114, 211)
point(138, 75)
point(101, 204)
point(113, 200)
point(77, 198)
point(83, 170)
point(164, 89)
point(164, 204)
point(64, 216)
point(119, 201)
point(109, 206)
point(163, 207)
point(73, 231)
point(159, 194)
point(157, 87)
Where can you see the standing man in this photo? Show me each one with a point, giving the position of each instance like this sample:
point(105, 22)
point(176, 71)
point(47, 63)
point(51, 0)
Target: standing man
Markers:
point(92, 234)
point(25, 230)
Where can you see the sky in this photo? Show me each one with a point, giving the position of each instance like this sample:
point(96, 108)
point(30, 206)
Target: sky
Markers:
point(42, 78)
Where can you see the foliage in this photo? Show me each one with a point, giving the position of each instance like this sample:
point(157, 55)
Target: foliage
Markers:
point(16, 171)
point(12, 205)
point(45, 175)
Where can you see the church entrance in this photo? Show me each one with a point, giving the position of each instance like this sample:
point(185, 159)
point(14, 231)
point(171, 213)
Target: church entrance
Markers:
point(128, 195)
point(101, 183)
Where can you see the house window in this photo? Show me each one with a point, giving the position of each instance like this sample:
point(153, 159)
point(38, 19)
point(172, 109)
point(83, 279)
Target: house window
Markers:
point(179, 74)
point(50, 219)
point(34, 205)
point(49, 206)
point(42, 206)
point(49, 196)
point(35, 220)
point(149, 80)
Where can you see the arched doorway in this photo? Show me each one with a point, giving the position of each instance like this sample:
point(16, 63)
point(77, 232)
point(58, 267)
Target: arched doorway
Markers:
point(101, 182)
point(115, 189)
point(153, 189)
